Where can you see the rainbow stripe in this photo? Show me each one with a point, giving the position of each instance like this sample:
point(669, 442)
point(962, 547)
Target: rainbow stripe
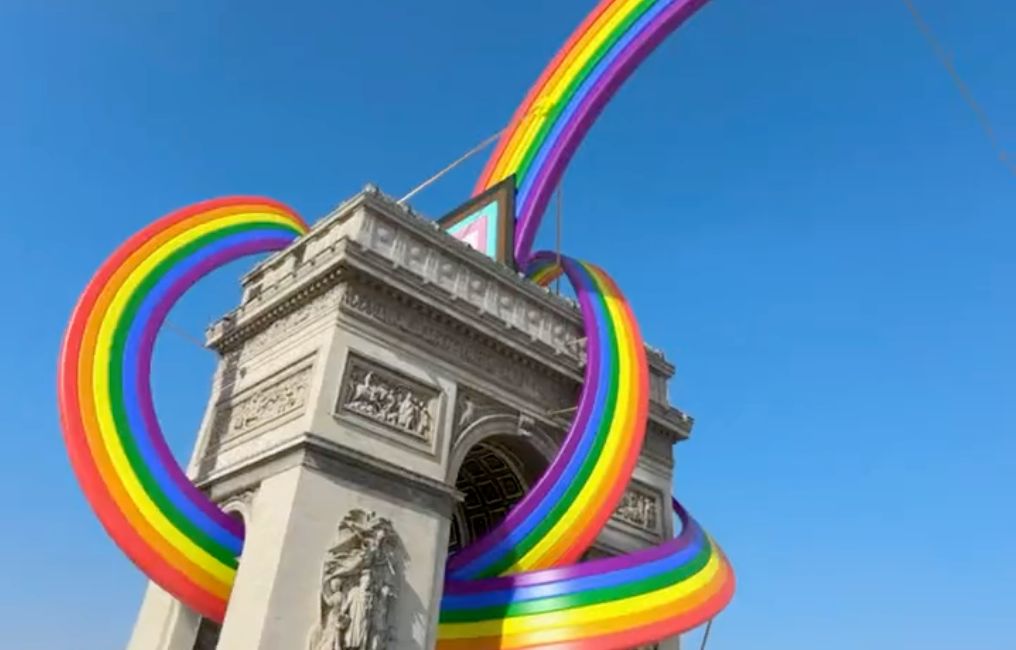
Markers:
point(618, 602)
point(563, 513)
point(542, 599)
point(517, 587)
point(171, 530)
point(539, 601)
point(566, 99)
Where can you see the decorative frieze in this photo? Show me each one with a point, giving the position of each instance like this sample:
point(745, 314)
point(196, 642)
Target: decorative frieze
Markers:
point(284, 327)
point(388, 398)
point(443, 339)
point(499, 298)
point(470, 406)
point(639, 508)
point(261, 406)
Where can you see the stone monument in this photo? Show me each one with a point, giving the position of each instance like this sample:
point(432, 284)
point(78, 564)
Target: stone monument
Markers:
point(384, 395)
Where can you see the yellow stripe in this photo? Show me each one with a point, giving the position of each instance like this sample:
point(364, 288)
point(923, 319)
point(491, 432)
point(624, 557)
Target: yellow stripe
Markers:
point(103, 407)
point(548, 550)
point(543, 103)
point(625, 611)
point(554, 90)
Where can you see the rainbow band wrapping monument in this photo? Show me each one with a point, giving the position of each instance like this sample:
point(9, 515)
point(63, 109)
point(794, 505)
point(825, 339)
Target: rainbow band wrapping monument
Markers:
point(170, 529)
point(517, 587)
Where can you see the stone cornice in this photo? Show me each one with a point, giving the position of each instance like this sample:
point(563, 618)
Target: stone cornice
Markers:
point(375, 235)
point(313, 451)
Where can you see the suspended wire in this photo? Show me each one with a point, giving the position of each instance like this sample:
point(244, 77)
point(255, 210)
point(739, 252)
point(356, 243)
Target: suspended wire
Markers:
point(968, 96)
point(184, 334)
point(705, 637)
point(464, 157)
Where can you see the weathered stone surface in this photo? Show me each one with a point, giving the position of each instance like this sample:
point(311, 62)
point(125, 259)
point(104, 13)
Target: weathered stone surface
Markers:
point(363, 364)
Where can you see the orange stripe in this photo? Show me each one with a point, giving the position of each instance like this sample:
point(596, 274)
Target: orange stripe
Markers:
point(493, 171)
point(87, 406)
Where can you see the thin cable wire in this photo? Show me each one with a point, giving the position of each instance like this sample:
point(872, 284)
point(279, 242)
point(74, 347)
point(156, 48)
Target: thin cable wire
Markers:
point(184, 334)
point(705, 637)
point(466, 156)
point(965, 91)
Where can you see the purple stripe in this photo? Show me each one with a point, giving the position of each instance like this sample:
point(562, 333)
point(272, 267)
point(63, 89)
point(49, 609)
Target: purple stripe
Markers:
point(644, 23)
point(634, 573)
point(688, 531)
point(188, 502)
point(463, 560)
point(144, 373)
point(606, 86)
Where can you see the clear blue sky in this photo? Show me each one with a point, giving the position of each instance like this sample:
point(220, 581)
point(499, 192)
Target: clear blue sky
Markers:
point(804, 214)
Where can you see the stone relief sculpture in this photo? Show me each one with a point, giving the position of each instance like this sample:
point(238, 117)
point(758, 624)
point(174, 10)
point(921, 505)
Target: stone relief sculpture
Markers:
point(383, 400)
point(270, 403)
point(361, 575)
point(264, 404)
point(470, 406)
point(458, 346)
point(638, 509)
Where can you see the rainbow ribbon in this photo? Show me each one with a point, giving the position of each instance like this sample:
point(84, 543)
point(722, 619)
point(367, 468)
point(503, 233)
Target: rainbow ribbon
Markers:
point(165, 525)
point(566, 509)
point(540, 599)
point(516, 587)
point(566, 99)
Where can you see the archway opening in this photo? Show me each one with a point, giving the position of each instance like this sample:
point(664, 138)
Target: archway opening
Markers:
point(494, 476)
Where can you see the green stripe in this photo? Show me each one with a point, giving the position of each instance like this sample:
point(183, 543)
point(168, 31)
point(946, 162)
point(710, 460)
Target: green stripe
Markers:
point(588, 597)
point(123, 430)
point(573, 86)
point(588, 464)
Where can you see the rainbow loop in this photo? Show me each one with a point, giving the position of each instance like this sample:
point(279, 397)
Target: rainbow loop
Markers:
point(566, 99)
point(518, 586)
point(170, 529)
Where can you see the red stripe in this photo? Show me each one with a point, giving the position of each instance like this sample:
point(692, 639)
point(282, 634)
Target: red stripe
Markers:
point(634, 436)
point(98, 494)
point(484, 181)
point(667, 627)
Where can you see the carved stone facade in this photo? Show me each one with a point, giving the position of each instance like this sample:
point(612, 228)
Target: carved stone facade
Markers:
point(441, 337)
point(242, 347)
point(471, 405)
point(262, 405)
point(495, 295)
point(282, 327)
point(360, 581)
point(388, 398)
point(334, 390)
point(639, 508)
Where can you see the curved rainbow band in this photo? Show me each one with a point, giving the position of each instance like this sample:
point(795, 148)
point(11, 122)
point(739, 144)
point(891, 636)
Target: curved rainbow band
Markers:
point(188, 546)
point(516, 587)
point(543, 600)
point(171, 530)
point(603, 604)
point(557, 520)
point(566, 99)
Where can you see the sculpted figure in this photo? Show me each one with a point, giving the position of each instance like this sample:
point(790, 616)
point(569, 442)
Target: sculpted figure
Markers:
point(358, 585)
